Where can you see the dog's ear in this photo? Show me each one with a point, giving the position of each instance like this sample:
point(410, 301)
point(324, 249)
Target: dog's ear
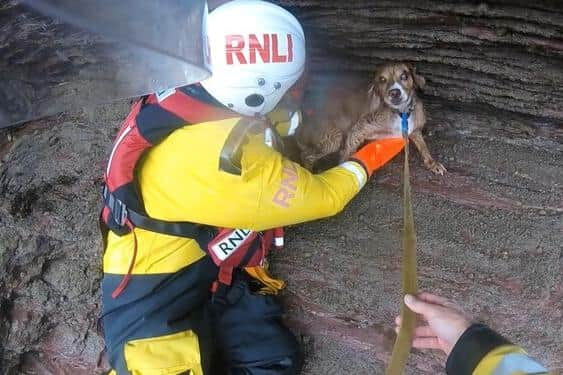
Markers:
point(419, 81)
point(374, 97)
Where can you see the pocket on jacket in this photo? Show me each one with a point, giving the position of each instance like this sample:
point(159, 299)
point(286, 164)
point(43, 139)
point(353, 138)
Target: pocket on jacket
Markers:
point(173, 354)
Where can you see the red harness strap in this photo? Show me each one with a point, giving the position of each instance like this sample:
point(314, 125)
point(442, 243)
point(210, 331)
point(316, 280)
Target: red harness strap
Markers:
point(192, 110)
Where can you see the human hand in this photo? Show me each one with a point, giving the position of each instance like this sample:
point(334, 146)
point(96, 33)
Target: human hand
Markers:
point(444, 322)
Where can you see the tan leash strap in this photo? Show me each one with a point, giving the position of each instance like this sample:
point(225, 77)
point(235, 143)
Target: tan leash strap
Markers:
point(403, 343)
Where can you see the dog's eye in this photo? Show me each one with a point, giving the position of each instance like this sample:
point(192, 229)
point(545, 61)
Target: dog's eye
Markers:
point(404, 76)
point(382, 79)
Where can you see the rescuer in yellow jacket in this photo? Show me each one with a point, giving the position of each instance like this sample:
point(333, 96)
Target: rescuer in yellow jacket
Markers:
point(196, 189)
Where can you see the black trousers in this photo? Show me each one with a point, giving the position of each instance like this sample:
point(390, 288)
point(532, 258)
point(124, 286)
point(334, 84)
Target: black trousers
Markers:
point(249, 334)
point(239, 332)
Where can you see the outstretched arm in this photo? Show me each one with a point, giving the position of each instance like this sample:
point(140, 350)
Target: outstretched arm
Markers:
point(472, 348)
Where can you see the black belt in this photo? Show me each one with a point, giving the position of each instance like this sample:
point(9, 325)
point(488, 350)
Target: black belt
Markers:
point(121, 213)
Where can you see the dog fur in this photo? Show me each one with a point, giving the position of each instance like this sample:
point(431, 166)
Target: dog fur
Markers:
point(346, 124)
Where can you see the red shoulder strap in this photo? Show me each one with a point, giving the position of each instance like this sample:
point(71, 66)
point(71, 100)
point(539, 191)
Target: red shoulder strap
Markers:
point(191, 110)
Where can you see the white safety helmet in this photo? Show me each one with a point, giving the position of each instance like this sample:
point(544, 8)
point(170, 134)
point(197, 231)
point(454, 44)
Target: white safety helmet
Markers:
point(256, 52)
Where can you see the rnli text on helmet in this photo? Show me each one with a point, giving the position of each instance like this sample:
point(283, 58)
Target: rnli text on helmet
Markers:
point(268, 50)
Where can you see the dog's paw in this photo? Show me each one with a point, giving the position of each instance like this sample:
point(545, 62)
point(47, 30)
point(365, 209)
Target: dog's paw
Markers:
point(435, 167)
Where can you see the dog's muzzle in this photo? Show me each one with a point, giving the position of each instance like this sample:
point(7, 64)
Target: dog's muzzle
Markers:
point(395, 96)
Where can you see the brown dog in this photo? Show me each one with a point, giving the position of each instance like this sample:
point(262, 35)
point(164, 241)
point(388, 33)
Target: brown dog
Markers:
point(375, 114)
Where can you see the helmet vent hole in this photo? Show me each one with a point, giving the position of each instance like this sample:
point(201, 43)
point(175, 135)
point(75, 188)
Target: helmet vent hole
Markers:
point(254, 100)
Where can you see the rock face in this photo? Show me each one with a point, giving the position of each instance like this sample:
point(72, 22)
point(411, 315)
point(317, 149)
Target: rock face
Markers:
point(50, 245)
point(507, 53)
point(489, 232)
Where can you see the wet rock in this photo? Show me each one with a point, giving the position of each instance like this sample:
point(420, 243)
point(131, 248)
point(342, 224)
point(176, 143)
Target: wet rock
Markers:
point(50, 248)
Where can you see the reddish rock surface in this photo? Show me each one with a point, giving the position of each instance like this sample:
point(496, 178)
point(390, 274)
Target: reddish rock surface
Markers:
point(489, 232)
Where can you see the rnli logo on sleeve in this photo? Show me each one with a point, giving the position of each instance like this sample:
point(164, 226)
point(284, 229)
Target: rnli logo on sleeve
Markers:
point(227, 245)
point(288, 186)
point(267, 47)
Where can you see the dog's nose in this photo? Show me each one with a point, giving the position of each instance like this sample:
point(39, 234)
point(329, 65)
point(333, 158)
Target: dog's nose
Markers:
point(395, 93)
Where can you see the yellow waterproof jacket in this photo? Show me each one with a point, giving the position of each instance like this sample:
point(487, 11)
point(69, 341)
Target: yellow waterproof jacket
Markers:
point(180, 180)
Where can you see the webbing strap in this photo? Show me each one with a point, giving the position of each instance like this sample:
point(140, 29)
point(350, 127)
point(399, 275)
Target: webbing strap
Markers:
point(403, 342)
point(199, 232)
point(179, 229)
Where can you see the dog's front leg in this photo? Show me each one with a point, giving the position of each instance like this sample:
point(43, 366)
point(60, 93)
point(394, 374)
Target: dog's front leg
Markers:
point(354, 139)
point(429, 162)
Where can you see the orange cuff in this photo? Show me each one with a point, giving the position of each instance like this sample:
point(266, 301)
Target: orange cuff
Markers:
point(376, 154)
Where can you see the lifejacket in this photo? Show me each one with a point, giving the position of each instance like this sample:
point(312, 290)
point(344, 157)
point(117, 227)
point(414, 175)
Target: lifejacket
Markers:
point(151, 120)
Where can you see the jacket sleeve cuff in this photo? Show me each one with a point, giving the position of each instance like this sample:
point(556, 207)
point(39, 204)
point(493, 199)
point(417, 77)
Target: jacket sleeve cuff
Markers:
point(355, 160)
point(358, 170)
point(471, 348)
